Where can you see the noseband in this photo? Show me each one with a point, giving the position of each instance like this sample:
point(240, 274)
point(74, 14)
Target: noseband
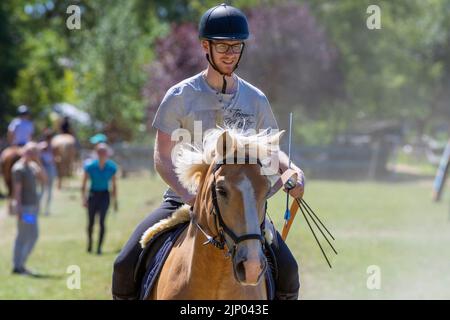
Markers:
point(222, 227)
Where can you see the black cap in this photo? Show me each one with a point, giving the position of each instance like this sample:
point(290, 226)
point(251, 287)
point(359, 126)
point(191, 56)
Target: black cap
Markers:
point(22, 110)
point(223, 22)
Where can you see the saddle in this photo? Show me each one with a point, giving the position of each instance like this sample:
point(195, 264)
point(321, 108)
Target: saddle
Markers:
point(157, 249)
point(153, 256)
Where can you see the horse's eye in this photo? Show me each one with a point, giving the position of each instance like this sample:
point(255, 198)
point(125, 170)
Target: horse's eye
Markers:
point(222, 192)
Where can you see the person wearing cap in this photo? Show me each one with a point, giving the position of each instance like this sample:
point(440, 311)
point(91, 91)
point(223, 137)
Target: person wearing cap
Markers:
point(65, 127)
point(98, 138)
point(215, 96)
point(21, 129)
point(101, 172)
point(95, 140)
point(27, 174)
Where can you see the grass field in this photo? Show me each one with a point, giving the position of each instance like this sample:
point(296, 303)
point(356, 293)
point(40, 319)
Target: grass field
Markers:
point(394, 226)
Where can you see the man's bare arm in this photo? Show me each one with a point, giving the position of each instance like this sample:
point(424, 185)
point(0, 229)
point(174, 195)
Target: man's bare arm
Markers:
point(166, 169)
point(298, 191)
point(17, 205)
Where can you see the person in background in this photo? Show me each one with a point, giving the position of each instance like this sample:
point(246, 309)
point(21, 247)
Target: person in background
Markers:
point(65, 126)
point(48, 163)
point(21, 129)
point(95, 140)
point(27, 174)
point(100, 172)
point(98, 138)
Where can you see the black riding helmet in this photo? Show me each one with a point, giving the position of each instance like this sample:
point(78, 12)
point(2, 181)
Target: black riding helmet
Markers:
point(223, 22)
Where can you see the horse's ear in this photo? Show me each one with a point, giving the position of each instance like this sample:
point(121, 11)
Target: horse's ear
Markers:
point(270, 144)
point(225, 146)
point(277, 137)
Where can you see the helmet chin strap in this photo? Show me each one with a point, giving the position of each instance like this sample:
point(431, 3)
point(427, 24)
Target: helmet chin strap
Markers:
point(210, 59)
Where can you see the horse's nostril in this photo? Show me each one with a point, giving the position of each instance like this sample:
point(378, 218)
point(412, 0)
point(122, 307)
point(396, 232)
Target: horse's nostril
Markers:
point(240, 270)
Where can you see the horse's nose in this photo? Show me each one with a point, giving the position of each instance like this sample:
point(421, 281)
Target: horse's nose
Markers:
point(249, 268)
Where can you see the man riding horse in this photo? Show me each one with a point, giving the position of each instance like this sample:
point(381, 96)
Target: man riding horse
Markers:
point(215, 96)
point(20, 132)
point(21, 129)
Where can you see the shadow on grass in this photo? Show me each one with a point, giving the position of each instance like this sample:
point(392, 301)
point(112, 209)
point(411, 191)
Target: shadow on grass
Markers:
point(43, 276)
point(106, 253)
point(69, 189)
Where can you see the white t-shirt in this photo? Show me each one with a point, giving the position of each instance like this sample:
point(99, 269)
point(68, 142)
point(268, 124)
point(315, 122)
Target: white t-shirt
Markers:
point(23, 130)
point(194, 100)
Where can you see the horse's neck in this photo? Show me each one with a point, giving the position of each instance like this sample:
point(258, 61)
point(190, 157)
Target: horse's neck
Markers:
point(206, 259)
point(211, 273)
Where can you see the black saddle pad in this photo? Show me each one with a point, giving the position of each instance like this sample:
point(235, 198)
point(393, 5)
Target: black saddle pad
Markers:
point(153, 257)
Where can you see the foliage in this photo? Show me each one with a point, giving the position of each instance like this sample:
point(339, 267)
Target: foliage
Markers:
point(39, 82)
point(41, 43)
point(99, 67)
point(291, 59)
point(10, 62)
point(178, 56)
point(315, 57)
point(110, 69)
point(401, 71)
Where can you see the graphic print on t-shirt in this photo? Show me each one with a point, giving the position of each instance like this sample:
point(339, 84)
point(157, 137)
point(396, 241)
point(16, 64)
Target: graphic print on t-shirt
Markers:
point(235, 117)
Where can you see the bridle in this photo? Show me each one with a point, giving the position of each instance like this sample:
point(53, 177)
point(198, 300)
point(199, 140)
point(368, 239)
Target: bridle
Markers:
point(219, 241)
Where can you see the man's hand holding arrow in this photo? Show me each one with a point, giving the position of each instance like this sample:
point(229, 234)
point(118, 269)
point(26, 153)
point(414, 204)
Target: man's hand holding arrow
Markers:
point(293, 181)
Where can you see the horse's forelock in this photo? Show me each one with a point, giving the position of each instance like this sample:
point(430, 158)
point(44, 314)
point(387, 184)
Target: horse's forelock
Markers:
point(193, 160)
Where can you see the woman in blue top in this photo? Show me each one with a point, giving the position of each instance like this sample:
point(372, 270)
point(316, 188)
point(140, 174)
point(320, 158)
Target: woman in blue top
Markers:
point(100, 171)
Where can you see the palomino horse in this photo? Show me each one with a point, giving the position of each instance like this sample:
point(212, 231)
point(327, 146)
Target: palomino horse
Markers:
point(229, 213)
point(64, 151)
point(8, 157)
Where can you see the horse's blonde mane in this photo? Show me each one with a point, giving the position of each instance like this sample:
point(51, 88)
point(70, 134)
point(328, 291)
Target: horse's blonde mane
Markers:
point(193, 160)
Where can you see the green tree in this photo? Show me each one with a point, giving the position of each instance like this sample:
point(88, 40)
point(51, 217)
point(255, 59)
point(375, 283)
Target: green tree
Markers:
point(10, 62)
point(37, 57)
point(111, 71)
point(398, 72)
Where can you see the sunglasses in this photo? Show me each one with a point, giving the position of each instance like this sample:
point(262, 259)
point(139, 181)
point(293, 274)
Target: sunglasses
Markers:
point(224, 47)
